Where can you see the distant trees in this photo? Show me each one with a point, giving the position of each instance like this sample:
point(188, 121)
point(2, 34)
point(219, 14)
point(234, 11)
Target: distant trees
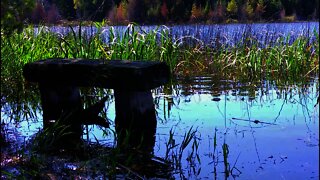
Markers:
point(307, 9)
point(164, 11)
point(259, 10)
point(13, 14)
point(137, 10)
point(118, 14)
point(161, 11)
point(272, 10)
point(232, 9)
point(92, 9)
point(247, 11)
point(38, 13)
point(66, 8)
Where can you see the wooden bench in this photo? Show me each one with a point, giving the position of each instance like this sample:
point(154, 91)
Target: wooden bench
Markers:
point(132, 82)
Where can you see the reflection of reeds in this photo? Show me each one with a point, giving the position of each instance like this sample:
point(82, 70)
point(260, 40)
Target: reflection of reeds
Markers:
point(175, 151)
point(225, 150)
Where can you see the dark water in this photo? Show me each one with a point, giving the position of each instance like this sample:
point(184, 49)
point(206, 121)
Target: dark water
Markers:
point(271, 131)
point(262, 34)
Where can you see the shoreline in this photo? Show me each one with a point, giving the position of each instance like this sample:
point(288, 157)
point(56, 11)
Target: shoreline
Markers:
point(66, 23)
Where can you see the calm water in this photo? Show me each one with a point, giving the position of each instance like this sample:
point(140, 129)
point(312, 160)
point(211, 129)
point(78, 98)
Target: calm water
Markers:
point(284, 144)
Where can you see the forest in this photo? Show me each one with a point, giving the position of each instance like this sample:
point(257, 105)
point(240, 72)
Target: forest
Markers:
point(159, 11)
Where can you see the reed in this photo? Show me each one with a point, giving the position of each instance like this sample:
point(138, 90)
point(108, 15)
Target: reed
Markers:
point(280, 58)
point(46, 140)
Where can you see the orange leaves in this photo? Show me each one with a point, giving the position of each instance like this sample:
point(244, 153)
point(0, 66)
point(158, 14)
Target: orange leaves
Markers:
point(164, 10)
point(119, 14)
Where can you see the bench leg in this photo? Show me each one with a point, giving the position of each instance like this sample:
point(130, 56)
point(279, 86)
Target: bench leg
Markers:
point(58, 102)
point(135, 120)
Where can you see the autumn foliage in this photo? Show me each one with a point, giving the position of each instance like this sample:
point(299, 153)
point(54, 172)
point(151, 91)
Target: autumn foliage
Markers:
point(176, 11)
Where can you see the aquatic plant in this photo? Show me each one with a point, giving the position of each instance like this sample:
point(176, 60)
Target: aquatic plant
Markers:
point(176, 150)
point(225, 150)
point(279, 58)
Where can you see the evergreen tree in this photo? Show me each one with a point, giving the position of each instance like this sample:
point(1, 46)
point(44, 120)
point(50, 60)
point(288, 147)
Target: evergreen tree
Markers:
point(247, 11)
point(219, 11)
point(289, 6)
point(13, 13)
point(66, 9)
point(232, 9)
point(272, 10)
point(306, 8)
point(137, 10)
point(259, 10)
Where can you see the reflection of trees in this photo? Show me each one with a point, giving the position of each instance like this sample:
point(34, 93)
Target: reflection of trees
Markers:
point(25, 102)
point(256, 93)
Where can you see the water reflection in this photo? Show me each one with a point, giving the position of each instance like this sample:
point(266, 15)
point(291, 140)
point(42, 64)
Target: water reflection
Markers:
point(211, 128)
point(267, 127)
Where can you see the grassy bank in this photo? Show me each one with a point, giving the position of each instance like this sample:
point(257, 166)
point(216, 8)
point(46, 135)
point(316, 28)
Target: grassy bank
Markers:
point(247, 61)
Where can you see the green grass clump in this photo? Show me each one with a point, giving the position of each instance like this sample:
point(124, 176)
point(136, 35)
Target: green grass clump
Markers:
point(283, 61)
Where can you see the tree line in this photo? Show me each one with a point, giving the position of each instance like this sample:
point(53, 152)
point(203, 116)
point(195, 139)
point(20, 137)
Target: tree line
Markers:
point(160, 11)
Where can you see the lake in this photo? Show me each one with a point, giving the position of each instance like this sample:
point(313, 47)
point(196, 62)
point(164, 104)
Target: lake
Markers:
point(237, 130)
point(271, 131)
point(227, 34)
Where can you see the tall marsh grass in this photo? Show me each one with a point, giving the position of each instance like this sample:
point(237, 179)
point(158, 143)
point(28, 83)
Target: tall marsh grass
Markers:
point(283, 60)
point(247, 60)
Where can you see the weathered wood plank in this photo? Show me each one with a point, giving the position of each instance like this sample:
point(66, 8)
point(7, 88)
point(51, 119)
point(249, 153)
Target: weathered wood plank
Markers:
point(111, 74)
